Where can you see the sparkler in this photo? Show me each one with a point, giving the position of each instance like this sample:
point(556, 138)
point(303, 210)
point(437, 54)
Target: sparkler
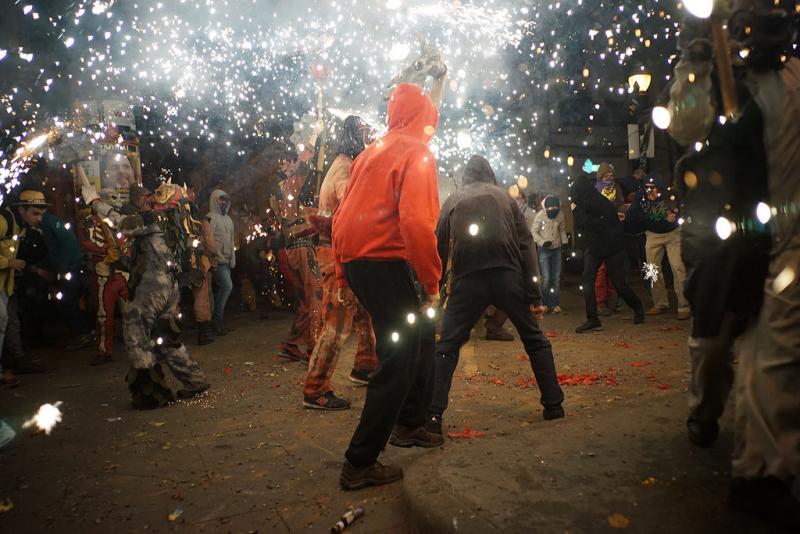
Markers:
point(650, 271)
point(46, 418)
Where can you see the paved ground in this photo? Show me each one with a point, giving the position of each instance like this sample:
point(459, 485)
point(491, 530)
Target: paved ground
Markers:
point(248, 458)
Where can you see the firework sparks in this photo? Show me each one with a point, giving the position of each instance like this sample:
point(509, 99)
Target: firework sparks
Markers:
point(221, 71)
point(650, 271)
point(46, 418)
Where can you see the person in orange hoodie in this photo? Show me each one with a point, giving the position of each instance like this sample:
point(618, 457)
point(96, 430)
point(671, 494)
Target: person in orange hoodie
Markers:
point(384, 243)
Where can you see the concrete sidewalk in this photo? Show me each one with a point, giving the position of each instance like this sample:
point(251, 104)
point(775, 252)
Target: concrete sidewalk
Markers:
point(629, 468)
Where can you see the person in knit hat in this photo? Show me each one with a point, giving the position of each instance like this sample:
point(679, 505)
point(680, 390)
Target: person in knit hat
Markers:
point(605, 295)
point(550, 234)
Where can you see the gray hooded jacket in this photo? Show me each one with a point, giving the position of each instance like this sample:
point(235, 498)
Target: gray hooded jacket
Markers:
point(481, 227)
point(222, 226)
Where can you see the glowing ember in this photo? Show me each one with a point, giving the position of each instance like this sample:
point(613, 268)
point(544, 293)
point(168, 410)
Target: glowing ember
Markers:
point(46, 418)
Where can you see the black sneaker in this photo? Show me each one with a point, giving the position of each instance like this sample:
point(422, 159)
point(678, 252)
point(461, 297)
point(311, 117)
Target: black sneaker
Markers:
point(28, 367)
point(434, 424)
point(702, 433)
point(359, 378)
point(187, 393)
point(769, 498)
point(498, 333)
point(404, 436)
point(86, 340)
point(291, 352)
point(553, 412)
point(377, 474)
point(100, 359)
point(218, 330)
point(327, 401)
point(589, 326)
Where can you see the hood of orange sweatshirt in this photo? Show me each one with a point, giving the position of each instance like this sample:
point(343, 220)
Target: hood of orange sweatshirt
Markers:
point(411, 112)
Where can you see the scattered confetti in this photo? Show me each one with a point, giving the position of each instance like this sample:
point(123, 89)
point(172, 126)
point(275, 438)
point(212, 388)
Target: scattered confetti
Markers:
point(618, 521)
point(468, 433)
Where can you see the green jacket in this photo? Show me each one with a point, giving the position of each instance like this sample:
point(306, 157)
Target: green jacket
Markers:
point(64, 252)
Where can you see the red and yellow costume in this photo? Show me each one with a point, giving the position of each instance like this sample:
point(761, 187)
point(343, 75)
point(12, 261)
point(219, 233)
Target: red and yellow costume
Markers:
point(105, 249)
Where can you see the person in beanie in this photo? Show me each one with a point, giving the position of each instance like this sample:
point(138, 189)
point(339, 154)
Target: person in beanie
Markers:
point(384, 242)
point(655, 209)
point(338, 319)
point(550, 234)
point(599, 221)
point(484, 238)
point(753, 164)
point(605, 295)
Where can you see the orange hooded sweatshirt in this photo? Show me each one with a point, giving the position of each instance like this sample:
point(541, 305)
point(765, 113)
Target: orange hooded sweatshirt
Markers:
point(391, 203)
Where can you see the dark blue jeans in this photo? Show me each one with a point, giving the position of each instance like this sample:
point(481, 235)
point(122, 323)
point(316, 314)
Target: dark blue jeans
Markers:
point(223, 285)
point(550, 269)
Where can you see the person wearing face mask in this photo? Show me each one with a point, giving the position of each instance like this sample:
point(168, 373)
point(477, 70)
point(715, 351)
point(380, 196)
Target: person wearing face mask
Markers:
point(550, 234)
point(222, 226)
point(338, 319)
point(605, 294)
point(655, 209)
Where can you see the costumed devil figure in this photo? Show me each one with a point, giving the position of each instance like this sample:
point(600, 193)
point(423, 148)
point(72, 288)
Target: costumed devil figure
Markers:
point(162, 234)
point(109, 253)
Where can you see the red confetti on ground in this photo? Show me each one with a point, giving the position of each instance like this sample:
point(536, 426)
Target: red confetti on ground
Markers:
point(551, 334)
point(585, 379)
point(522, 383)
point(496, 381)
point(664, 386)
point(622, 344)
point(611, 378)
point(228, 370)
point(468, 433)
point(523, 357)
point(640, 363)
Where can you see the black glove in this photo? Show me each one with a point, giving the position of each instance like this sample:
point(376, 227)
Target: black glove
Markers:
point(547, 244)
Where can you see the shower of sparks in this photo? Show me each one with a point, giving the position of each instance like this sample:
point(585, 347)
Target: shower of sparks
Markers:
point(231, 71)
point(46, 418)
point(650, 272)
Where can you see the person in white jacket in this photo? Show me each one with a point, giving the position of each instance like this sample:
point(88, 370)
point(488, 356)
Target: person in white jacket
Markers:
point(222, 225)
point(550, 234)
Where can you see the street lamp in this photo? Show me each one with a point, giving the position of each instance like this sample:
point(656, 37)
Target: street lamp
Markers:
point(640, 80)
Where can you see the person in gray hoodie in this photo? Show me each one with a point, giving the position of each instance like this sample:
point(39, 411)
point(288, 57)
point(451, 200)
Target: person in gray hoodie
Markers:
point(222, 225)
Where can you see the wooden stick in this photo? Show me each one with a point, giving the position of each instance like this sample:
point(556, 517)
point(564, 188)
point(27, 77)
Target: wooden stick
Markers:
point(730, 102)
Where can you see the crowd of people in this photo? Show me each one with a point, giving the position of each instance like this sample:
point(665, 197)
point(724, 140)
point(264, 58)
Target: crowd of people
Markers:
point(374, 251)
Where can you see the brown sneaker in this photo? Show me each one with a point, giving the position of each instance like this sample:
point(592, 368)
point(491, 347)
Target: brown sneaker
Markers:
point(404, 436)
point(656, 310)
point(377, 474)
point(683, 315)
point(8, 380)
